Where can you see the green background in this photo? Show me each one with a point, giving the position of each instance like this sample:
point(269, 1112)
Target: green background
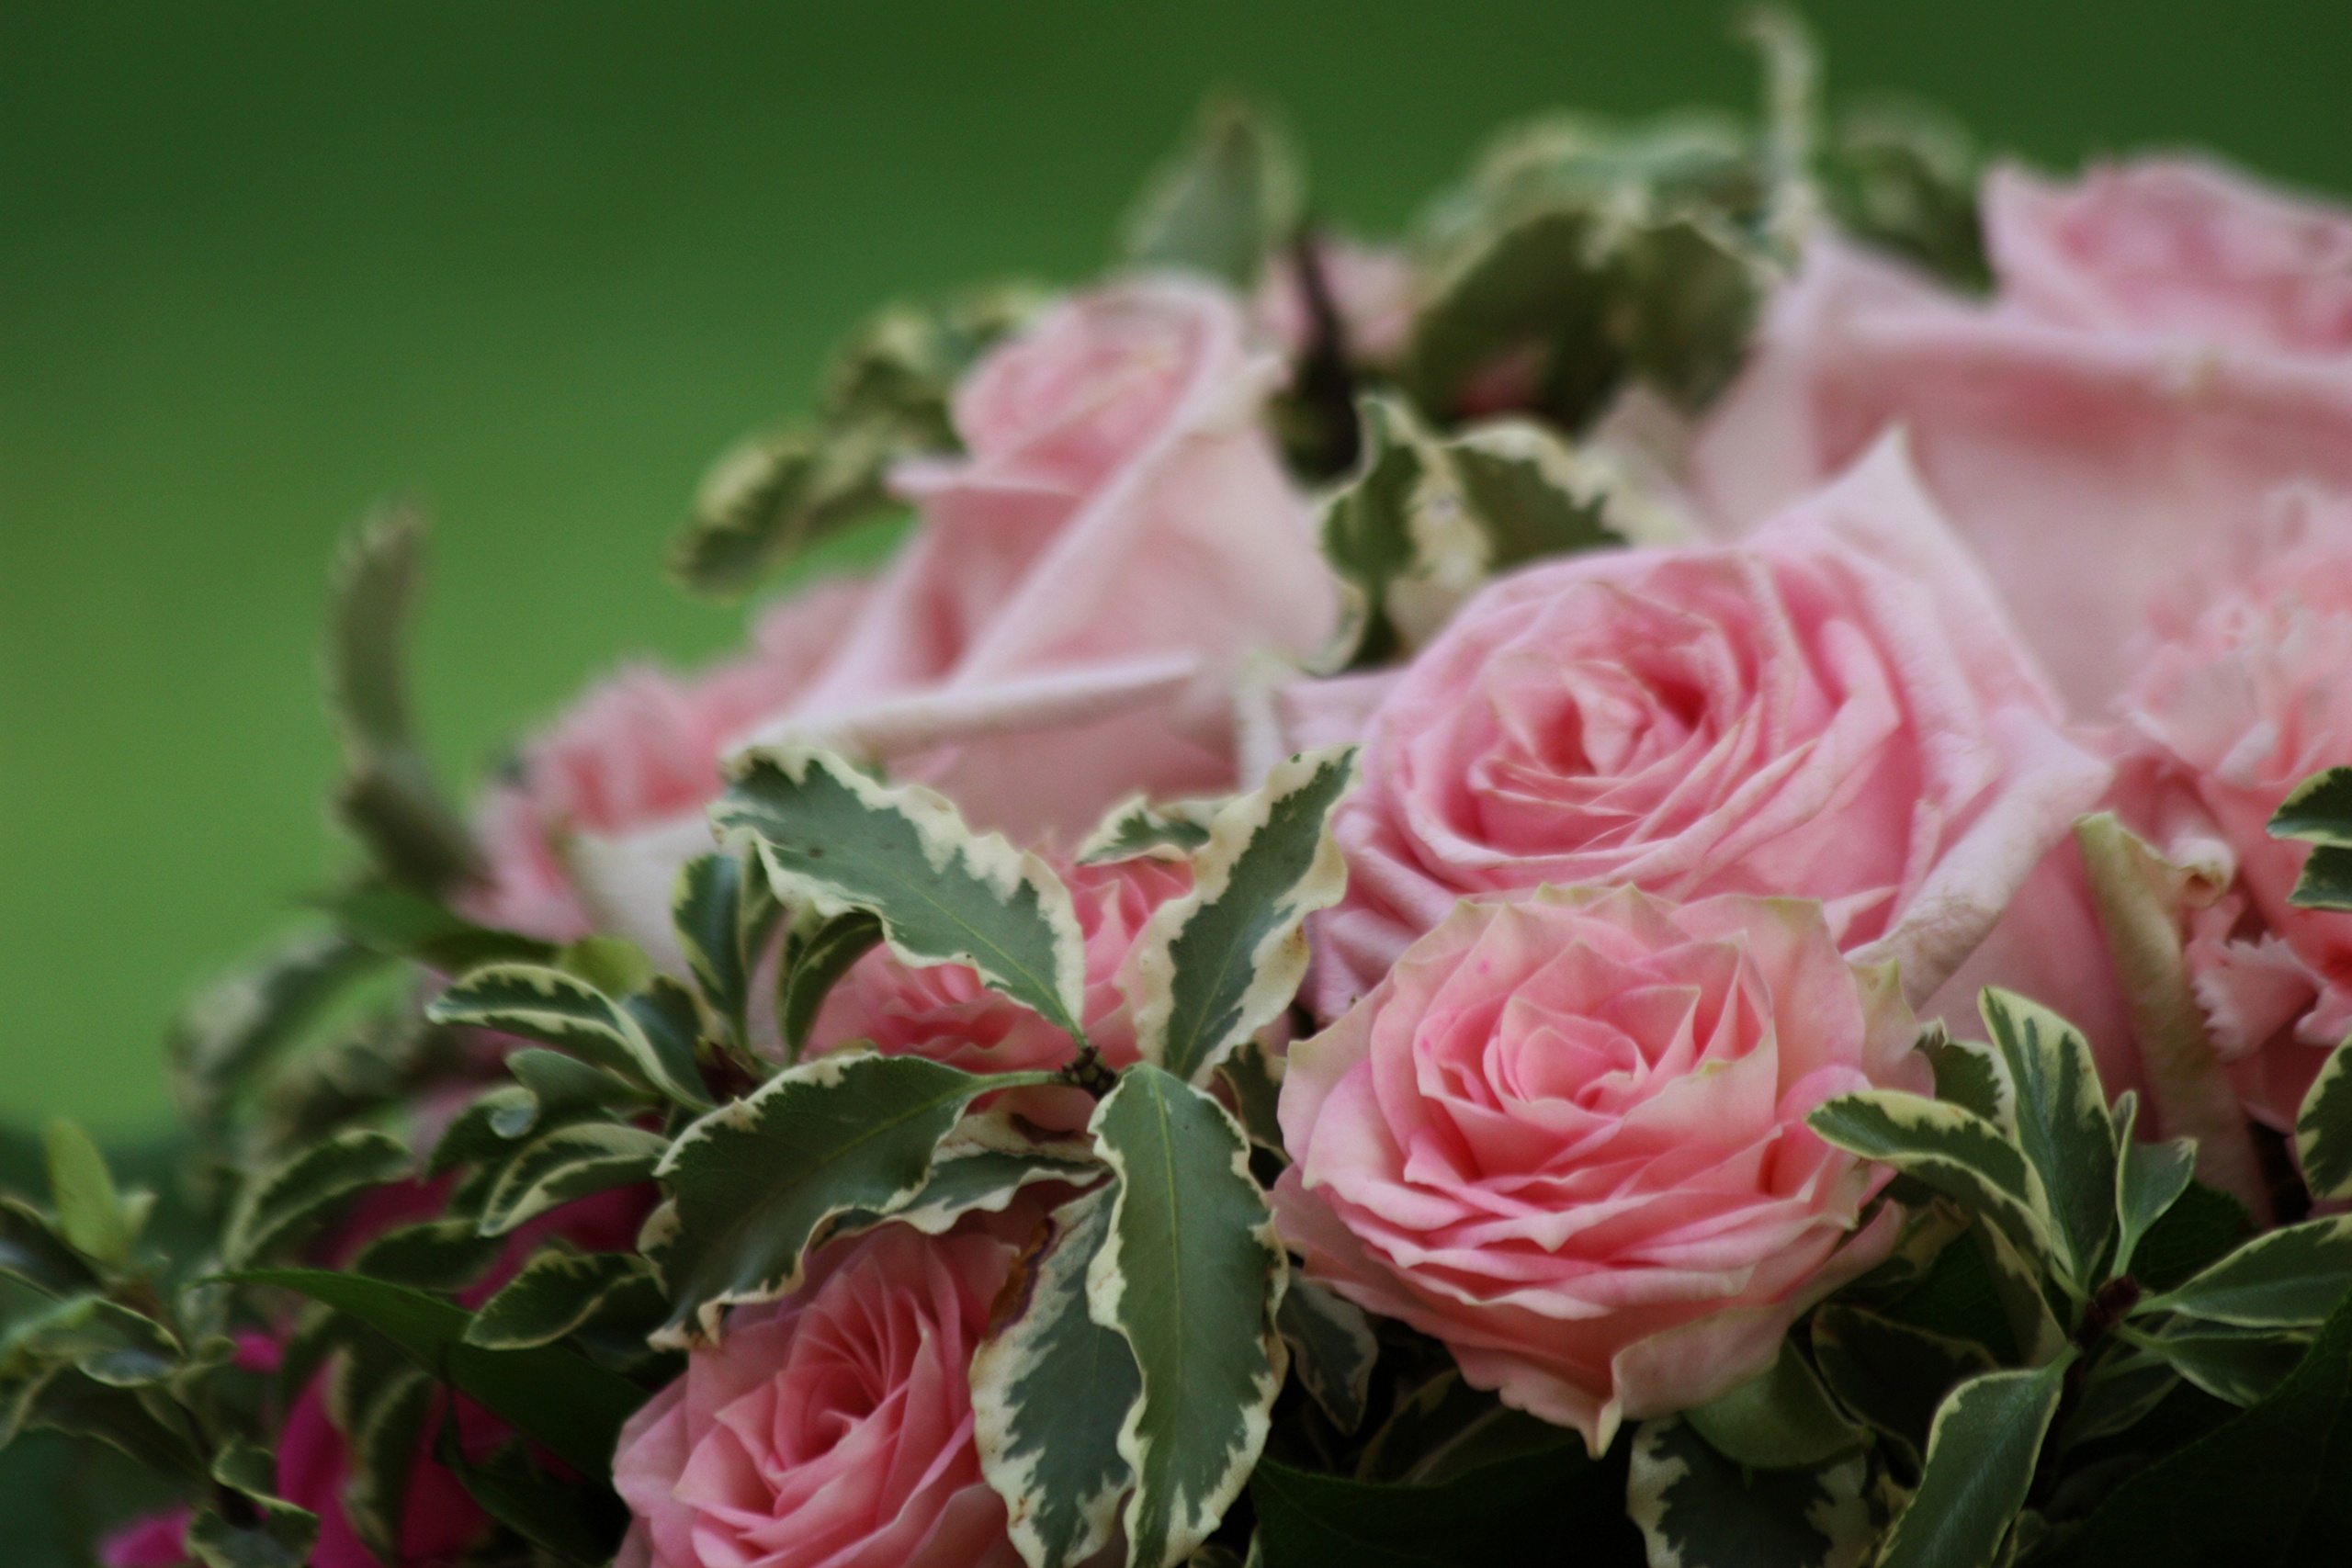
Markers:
point(536, 261)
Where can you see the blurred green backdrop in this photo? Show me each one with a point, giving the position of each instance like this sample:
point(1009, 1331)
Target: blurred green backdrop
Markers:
point(537, 261)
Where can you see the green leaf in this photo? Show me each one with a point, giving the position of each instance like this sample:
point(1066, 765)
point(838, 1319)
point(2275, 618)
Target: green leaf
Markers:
point(2116, 1398)
point(1252, 1075)
point(561, 1401)
point(1781, 1420)
point(612, 964)
point(725, 916)
point(1971, 1076)
point(1232, 193)
point(1443, 1428)
point(813, 963)
point(1136, 828)
point(1890, 1374)
point(32, 1251)
point(1981, 1457)
point(2287, 1278)
point(1531, 496)
point(567, 1163)
point(1953, 1150)
point(382, 1432)
point(2324, 1130)
point(555, 1293)
point(236, 1026)
point(2240, 1365)
point(282, 1205)
point(387, 796)
point(2062, 1124)
point(2269, 1488)
point(2196, 1231)
point(2318, 810)
point(101, 1339)
point(1904, 177)
point(1368, 535)
point(1190, 1275)
point(567, 1088)
point(91, 1214)
point(485, 1131)
point(578, 1524)
point(1051, 1388)
point(434, 1255)
point(752, 1183)
point(400, 923)
point(557, 1009)
point(2149, 1179)
point(2326, 881)
point(944, 894)
point(277, 1534)
point(1699, 1509)
point(980, 1166)
point(1524, 1509)
point(1209, 969)
point(1331, 1350)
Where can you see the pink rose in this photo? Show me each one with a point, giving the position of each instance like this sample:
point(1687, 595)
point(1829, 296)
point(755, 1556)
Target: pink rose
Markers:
point(944, 1012)
point(2168, 342)
point(1834, 710)
point(153, 1540)
point(2248, 692)
point(1062, 629)
point(1372, 290)
point(833, 1427)
point(1566, 1135)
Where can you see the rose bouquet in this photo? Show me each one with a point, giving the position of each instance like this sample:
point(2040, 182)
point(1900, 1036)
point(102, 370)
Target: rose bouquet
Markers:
point(1656, 877)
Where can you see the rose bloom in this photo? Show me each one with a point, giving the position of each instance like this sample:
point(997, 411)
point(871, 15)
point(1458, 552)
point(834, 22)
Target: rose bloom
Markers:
point(1061, 631)
point(2167, 343)
point(2247, 692)
point(1837, 709)
point(1566, 1135)
point(832, 1428)
point(942, 1010)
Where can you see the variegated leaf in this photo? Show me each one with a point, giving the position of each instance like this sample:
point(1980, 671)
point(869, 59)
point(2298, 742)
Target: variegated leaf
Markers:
point(2318, 810)
point(1253, 1076)
point(236, 1026)
point(1890, 1374)
point(555, 1293)
point(382, 1433)
point(1981, 1457)
point(814, 961)
point(570, 1162)
point(1231, 194)
point(2289, 1278)
point(2239, 1365)
point(725, 916)
point(1972, 1074)
point(980, 1168)
point(270, 1531)
point(1190, 1275)
point(1331, 1350)
point(1051, 1388)
point(1951, 1149)
point(1783, 1419)
point(2016, 1281)
point(485, 1131)
point(432, 1254)
point(1211, 968)
point(2324, 1129)
point(560, 1010)
point(2149, 1179)
point(944, 894)
point(752, 1183)
point(1698, 1509)
point(2061, 1124)
point(1531, 495)
point(283, 1205)
point(1136, 828)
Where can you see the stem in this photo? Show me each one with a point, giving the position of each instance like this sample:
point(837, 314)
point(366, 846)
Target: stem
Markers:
point(1325, 384)
point(2107, 1306)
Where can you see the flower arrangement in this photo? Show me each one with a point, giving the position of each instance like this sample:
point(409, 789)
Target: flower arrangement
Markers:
point(1659, 876)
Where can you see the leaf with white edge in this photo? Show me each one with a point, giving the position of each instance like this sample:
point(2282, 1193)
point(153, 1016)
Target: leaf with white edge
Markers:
point(560, 1400)
point(555, 1293)
point(944, 894)
point(969, 1179)
point(1519, 481)
point(382, 1436)
point(485, 1131)
point(1890, 1374)
point(570, 1162)
point(1051, 1388)
point(560, 1010)
point(565, 1088)
point(91, 1214)
point(2318, 810)
point(1981, 1457)
point(285, 1204)
point(1233, 192)
point(2149, 1179)
point(1368, 535)
point(1972, 1074)
point(2062, 1124)
point(387, 796)
point(274, 1534)
point(1190, 1275)
point(1951, 1149)
point(433, 1255)
point(1253, 1078)
point(32, 1251)
point(1211, 968)
point(814, 961)
point(2324, 1130)
point(1783, 1419)
point(1136, 828)
point(753, 1183)
point(2017, 1284)
point(103, 1340)
point(2116, 1397)
point(2290, 1277)
point(725, 915)
point(1699, 1509)
point(1331, 1350)
point(234, 1028)
point(2239, 1365)
point(399, 922)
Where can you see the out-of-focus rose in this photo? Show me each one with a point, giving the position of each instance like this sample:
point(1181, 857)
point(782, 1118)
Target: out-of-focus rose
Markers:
point(2168, 344)
point(833, 1427)
point(1566, 1135)
point(2246, 692)
point(439, 1520)
point(944, 1012)
point(154, 1540)
point(1373, 291)
point(1061, 630)
point(1837, 709)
